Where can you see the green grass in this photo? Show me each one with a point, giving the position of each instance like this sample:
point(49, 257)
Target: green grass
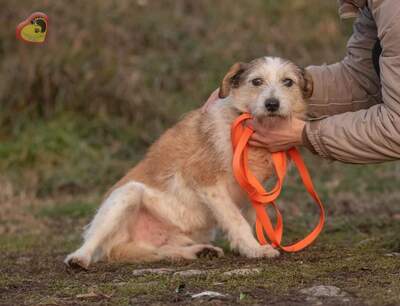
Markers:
point(150, 63)
point(349, 254)
point(76, 112)
point(69, 154)
point(70, 210)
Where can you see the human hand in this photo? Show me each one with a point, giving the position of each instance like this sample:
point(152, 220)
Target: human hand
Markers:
point(283, 135)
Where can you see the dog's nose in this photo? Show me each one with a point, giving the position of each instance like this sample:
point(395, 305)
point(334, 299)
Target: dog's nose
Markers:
point(272, 104)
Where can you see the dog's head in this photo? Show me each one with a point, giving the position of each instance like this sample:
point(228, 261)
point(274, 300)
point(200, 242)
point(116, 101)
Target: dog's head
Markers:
point(267, 86)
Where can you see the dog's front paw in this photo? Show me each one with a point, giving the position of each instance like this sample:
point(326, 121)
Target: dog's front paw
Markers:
point(77, 260)
point(261, 251)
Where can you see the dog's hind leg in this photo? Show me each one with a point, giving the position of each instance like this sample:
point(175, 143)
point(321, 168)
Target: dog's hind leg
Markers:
point(108, 228)
point(190, 252)
point(141, 252)
point(134, 252)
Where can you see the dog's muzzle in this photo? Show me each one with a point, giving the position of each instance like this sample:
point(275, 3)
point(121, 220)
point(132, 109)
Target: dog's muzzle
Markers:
point(272, 104)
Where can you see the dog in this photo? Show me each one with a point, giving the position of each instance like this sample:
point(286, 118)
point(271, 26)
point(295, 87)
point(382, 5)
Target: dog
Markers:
point(171, 203)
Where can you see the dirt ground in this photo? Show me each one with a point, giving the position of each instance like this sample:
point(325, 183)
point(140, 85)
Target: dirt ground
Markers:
point(359, 257)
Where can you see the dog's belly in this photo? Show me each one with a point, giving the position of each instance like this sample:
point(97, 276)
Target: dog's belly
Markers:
point(147, 228)
point(164, 215)
point(180, 205)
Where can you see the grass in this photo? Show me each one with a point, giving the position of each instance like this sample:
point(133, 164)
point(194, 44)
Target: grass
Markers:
point(129, 59)
point(349, 254)
point(108, 82)
point(70, 210)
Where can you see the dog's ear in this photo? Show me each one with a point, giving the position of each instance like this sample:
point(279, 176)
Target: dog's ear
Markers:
point(307, 84)
point(231, 79)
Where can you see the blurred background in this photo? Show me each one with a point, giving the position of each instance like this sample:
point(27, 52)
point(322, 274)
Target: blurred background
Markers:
point(79, 110)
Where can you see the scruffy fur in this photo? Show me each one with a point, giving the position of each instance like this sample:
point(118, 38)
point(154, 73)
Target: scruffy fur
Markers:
point(170, 204)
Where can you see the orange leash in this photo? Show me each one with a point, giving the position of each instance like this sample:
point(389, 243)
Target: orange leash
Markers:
point(260, 198)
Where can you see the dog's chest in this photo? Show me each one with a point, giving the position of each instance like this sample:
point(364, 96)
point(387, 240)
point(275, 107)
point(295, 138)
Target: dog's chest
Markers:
point(260, 163)
point(259, 159)
point(185, 203)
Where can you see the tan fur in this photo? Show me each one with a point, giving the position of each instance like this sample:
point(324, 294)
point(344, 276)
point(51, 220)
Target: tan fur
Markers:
point(169, 205)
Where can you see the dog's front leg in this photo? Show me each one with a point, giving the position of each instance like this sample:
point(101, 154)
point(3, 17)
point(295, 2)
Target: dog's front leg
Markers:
point(232, 221)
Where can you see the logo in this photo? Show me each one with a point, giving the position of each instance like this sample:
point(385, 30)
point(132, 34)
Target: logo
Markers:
point(33, 29)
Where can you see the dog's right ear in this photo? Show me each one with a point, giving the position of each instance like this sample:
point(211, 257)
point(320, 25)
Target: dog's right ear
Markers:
point(231, 79)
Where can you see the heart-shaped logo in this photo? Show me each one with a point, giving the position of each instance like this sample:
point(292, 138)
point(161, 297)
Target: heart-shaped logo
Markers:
point(33, 29)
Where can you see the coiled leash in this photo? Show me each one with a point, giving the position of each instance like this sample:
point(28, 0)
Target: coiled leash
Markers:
point(260, 197)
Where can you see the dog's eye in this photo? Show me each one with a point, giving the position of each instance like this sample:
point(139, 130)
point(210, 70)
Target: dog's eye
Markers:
point(257, 82)
point(288, 82)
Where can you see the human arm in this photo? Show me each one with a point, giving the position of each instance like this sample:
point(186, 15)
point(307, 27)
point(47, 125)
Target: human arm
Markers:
point(349, 85)
point(373, 134)
point(368, 132)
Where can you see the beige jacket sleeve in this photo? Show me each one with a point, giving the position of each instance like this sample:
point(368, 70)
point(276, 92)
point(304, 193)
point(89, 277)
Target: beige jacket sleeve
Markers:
point(356, 115)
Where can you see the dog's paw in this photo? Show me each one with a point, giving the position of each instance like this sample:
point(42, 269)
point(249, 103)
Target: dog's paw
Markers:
point(77, 261)
point(261, 251)
point(210, 252)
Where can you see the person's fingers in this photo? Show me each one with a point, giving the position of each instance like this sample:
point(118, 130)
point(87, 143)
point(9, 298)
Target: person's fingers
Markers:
point(276, 149)
point(256, 144)
point(259, 138)
point(270, 148)
point(210, 101)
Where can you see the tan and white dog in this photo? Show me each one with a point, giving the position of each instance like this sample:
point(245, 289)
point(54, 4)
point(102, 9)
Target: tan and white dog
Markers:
point(171, 203)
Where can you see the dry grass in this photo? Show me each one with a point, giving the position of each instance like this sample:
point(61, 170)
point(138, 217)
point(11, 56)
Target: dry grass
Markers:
point(149, 61)
point(81, 109)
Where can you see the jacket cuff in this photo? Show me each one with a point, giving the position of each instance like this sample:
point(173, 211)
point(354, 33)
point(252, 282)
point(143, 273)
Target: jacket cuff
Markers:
point(307, 142)
point(347, 10)
point(312, 138)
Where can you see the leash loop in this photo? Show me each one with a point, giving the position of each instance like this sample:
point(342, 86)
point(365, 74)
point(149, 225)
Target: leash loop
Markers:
point(259, 197)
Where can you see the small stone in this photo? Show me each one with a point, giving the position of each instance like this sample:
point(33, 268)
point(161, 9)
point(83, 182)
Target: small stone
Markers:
point(323, 291)
point(189, 273)
point(23, 260)
point(92, 294)
point(209, 294)
point(86, 295)
point(242, 272)
point(158, 271)
point(393, 254)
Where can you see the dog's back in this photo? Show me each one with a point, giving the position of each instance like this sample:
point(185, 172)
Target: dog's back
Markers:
point(189, 148)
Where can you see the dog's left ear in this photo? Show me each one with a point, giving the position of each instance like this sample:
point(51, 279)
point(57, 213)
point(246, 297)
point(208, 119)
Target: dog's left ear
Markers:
point(231, 79)
point(306, 84)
